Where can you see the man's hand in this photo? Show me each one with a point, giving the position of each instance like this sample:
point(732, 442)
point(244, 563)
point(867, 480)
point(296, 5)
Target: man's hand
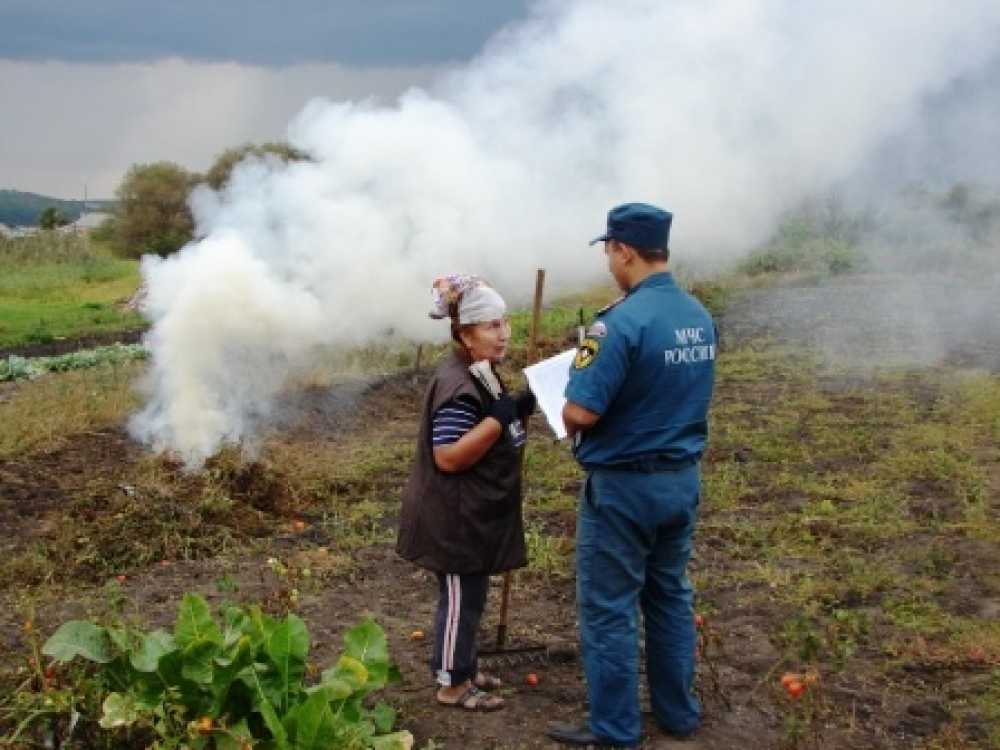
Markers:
point(577, 419)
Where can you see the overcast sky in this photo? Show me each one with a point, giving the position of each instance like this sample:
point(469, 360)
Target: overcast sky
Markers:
point(87, 89)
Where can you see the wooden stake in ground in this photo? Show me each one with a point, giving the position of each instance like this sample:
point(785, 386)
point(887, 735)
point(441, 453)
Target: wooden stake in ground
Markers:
point(536, 315)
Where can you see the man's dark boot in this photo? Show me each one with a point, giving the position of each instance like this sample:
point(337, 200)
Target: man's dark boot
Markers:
point(578, 735)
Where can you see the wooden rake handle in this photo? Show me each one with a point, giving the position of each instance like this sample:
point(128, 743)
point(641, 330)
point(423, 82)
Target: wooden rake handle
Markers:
point(536, 315)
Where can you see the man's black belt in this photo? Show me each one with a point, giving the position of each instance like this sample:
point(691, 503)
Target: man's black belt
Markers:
point(648, 464)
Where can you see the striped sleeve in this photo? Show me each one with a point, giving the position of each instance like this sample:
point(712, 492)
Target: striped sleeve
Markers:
point(453, 419)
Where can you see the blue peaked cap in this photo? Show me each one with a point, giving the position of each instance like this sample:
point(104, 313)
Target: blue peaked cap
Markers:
point(640, 225)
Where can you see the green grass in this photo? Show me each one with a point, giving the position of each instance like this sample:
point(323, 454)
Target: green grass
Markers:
point(549, 555)
point(46, 412)
point(860, 515)
point(988, 704)
point(56, 286)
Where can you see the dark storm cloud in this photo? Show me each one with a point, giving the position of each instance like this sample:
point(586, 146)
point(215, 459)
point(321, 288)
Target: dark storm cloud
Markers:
point(261, 32)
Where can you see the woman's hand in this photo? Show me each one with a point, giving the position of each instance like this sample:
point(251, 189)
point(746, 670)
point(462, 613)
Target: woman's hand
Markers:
point(526, 403)
point(504, 411)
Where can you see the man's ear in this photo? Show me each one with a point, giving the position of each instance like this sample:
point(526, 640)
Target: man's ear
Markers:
point(629, 253)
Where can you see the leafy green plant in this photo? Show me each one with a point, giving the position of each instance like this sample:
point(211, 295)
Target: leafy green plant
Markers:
point(238, 684)
point(549, 555)
point(848, 629)
point(836, 637)
point(22, 368)
point(18, 368)
point(803, 638)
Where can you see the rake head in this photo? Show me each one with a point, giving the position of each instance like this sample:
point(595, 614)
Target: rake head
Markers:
point(556, 651)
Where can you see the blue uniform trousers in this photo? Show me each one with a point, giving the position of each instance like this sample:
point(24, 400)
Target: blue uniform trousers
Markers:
point(633, 543)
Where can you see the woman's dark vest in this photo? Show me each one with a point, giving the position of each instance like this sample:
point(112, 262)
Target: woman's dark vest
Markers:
point(470, 521)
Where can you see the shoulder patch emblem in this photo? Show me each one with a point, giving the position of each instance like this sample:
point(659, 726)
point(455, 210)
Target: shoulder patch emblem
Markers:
point(586, 353)
point(598, 330)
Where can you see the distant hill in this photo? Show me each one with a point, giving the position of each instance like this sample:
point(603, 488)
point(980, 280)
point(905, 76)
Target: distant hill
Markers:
point(22, 209)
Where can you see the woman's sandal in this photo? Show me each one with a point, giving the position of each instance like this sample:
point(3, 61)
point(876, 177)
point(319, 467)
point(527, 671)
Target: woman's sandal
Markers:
point(475, 699)
point(485, 681)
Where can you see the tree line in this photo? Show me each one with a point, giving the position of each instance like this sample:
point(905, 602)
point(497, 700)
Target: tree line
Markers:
point(152, 212)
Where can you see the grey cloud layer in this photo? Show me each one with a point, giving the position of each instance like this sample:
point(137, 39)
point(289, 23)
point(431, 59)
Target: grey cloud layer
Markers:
point(96, 120)
point(262, 32)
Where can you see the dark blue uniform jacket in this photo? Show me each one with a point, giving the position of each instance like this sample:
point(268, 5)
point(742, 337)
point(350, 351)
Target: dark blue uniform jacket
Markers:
point(647, 366)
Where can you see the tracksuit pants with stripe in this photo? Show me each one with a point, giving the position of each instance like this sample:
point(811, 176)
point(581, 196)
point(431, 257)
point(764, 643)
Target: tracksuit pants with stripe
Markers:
point(456, 624)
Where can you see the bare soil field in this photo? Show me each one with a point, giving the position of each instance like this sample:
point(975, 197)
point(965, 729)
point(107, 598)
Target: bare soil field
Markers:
point(849, 528)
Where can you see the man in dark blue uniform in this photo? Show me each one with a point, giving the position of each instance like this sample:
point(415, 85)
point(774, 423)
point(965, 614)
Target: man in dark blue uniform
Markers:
point(637, 400)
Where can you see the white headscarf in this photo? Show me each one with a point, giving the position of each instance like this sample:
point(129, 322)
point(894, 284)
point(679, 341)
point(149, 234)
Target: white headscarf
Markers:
point(478, 302)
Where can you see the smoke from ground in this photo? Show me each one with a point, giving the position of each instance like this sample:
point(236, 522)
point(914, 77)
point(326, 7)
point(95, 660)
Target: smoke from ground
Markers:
point(725, 113)
point(909, 280)
point(861, 326)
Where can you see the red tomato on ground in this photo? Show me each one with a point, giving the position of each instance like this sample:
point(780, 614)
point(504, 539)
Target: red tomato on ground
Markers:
point(789, 677)
point(795, 689)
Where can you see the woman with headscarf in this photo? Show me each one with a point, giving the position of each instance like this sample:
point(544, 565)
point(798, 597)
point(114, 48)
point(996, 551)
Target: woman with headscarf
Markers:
point(461, 514)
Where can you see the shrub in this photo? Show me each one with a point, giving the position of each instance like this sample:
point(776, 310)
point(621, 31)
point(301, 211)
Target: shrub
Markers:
point(152, 213)
point(52, 218)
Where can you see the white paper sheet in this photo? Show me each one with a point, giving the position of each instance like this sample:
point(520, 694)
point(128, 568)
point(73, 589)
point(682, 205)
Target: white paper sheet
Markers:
point(547, 380)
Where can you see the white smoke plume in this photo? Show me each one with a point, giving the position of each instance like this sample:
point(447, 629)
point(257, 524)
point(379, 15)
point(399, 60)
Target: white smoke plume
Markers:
point(723, 112)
